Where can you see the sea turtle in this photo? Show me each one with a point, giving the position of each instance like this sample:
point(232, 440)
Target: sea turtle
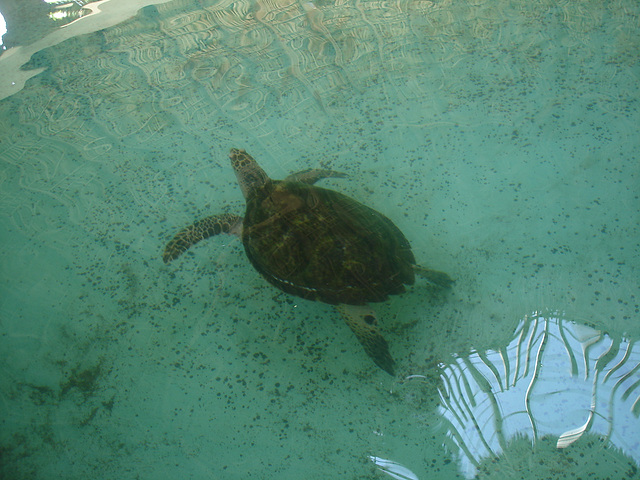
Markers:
point(317, 244)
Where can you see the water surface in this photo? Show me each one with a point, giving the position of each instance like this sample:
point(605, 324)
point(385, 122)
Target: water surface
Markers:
point(501, 137)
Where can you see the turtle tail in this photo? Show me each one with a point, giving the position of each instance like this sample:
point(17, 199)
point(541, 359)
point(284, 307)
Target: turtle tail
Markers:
point(205, 228)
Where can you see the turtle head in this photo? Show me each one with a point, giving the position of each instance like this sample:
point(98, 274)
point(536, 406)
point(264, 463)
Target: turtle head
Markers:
point(250, 175)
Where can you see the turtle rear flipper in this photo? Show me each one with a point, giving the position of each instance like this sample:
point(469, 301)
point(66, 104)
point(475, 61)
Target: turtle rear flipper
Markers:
point(363, 322)
point(205, 228)
point(437, 280)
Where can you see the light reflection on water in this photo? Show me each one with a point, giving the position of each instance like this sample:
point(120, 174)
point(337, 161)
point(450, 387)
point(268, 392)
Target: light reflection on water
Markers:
point(556, 379)
point(501, 136)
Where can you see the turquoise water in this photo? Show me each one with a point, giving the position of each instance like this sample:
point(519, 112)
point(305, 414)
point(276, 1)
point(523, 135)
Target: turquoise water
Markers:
point(500, 136)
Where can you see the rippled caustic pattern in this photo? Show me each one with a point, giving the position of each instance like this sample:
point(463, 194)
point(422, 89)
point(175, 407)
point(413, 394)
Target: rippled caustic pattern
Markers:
point(501, 137)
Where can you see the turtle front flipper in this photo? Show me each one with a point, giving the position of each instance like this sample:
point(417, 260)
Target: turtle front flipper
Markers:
point(363, 322)
point(312, 175)
point(205, 228)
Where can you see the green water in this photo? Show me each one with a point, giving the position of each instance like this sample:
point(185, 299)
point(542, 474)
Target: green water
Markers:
point(500, 136)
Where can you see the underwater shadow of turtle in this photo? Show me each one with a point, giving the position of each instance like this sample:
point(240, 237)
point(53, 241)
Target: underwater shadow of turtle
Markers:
point(319, 245)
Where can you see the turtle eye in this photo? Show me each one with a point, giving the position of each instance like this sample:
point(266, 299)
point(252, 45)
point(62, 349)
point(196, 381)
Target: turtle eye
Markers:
point(369, 319)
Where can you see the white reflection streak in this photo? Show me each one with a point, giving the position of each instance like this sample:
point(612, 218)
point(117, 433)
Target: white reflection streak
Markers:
point(492, 368)
point(635, 407)
point(552, 391)
point(585, 353)
point(530, 344)
point(458, 410)
point(536, 372)
point(608, 355)
point(455, 396)
point(394, 469)
point(569, 350)
point(627, 354)
point(504, 356)
point(629, 390)
point(523, 333)
point(485, 387)
point(636, 404)
point(3, 28)
point(569, 437)
point(489, 391)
